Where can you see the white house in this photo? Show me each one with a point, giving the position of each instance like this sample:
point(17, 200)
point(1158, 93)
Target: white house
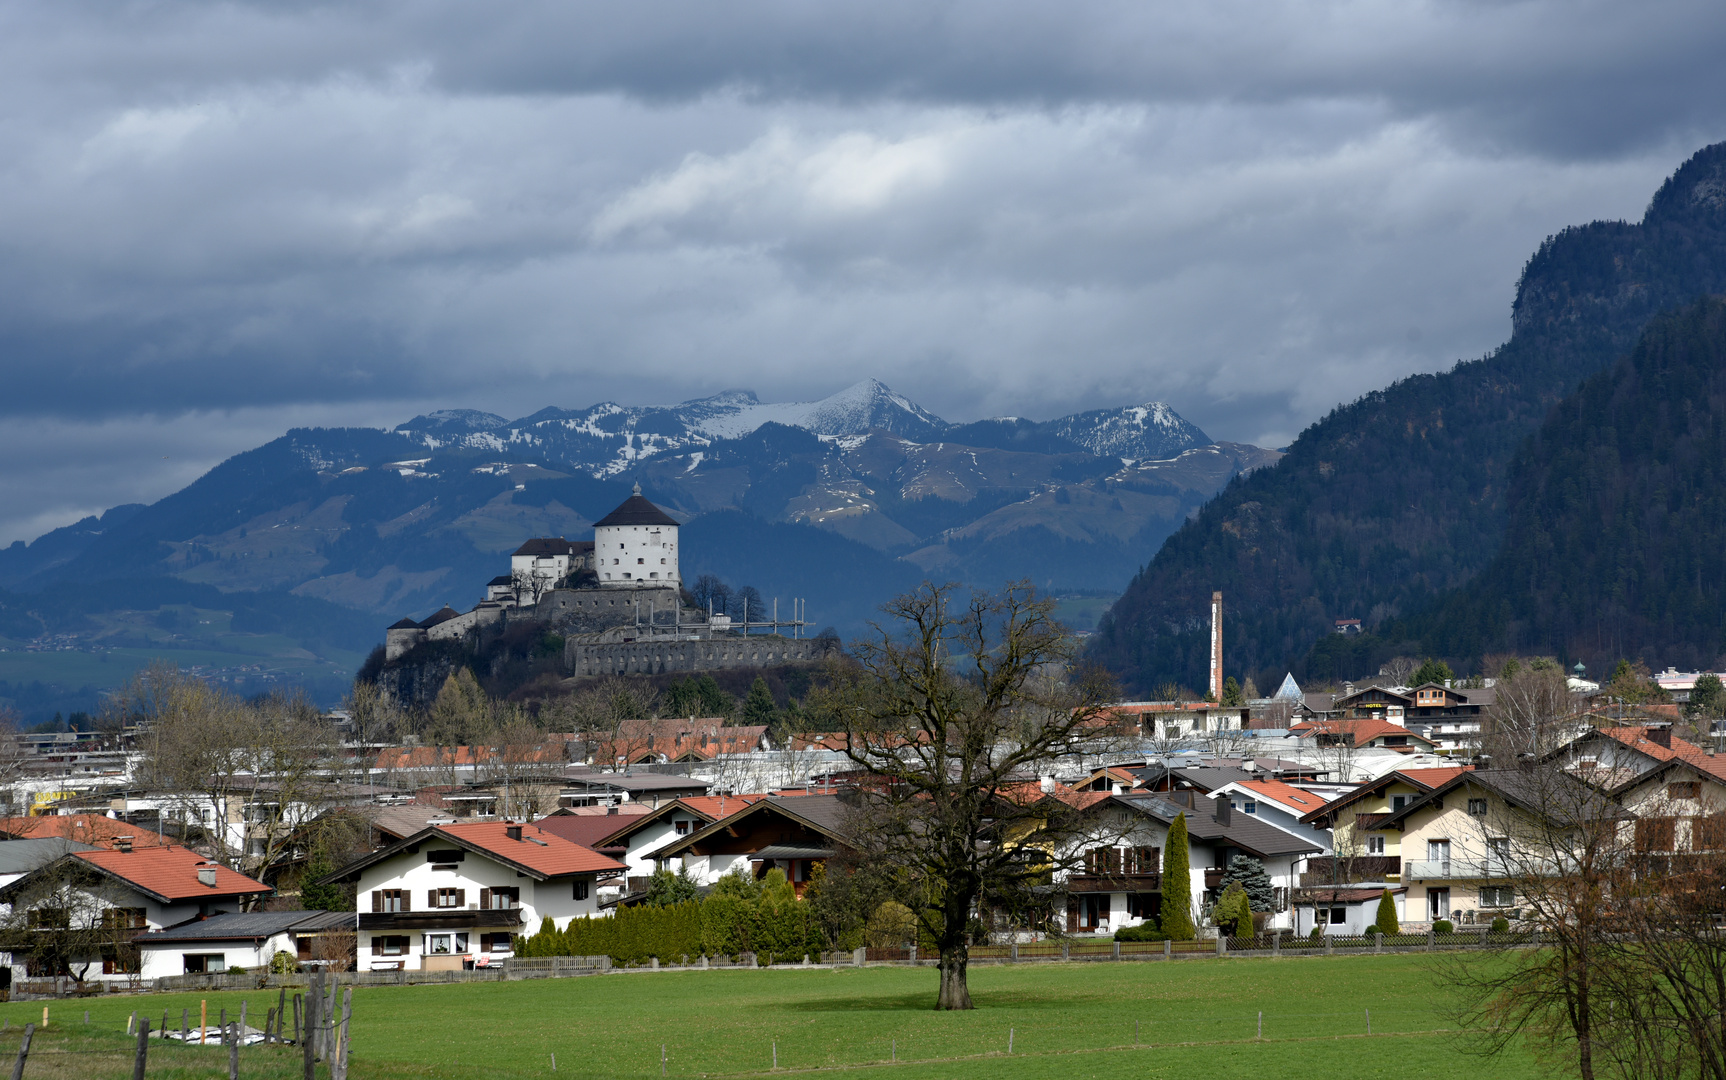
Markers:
point(246, 941)
point(1283, 805)
point(1120, 878)
point(635, 545)
point(639, 836)
point(126, 890)
point(456, 896)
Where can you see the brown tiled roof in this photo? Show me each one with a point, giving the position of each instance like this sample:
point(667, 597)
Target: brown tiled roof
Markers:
point(170, 873)
point(84, 828)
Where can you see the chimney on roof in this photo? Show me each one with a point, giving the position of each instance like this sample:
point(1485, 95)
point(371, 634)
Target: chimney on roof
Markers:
point(512, 831)
point(1225, 810)
point(1660, 735)
point(611, 809)
point(207, 876)
point(123, 843)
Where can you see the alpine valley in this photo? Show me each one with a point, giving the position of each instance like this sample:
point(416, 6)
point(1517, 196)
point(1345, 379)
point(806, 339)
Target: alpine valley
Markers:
point(283, 564)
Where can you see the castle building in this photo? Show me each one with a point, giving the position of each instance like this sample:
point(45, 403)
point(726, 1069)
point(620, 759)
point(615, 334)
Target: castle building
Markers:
point(635, 546)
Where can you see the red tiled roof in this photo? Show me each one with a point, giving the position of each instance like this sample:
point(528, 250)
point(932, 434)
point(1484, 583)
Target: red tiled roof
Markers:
point(677, 740)
point(84, 828)
point(1364, 731)
point(1301, 802)
point(588, 829)
point(171, 873)
point(1636, 738)
point(552, 856)
point(1431, 778)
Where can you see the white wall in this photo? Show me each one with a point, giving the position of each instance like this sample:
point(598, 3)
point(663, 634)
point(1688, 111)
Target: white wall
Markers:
point(626, 555)
point(169, 957)
point(539, 900)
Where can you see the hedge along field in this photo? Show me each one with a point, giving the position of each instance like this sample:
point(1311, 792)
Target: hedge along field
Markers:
point(1068, 1019)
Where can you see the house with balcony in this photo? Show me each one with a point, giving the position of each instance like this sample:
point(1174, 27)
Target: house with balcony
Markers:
point(1676, 789)
point(1360, 734)
point(1466, 843)
point(634, 839)
point(1119, 878)
point(1359, 852)
point(79, 914)
point(794, 834)
point(454, 897)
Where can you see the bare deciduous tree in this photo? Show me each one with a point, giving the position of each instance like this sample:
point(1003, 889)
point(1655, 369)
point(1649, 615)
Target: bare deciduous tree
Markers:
point(951, 709)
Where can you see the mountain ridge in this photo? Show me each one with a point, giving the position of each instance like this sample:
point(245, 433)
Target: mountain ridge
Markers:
point(1391, 500)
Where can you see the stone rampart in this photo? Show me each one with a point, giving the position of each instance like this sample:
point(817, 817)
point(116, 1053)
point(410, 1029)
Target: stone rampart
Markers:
point(588, 656)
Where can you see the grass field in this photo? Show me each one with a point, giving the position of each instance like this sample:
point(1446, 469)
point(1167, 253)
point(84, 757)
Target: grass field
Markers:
point(1196, 1021)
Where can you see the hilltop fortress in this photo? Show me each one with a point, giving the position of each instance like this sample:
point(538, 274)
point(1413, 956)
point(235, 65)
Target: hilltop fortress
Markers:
point(619, 603)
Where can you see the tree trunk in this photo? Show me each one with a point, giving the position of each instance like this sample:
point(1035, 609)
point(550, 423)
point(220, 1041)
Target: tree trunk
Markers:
point(955, 994)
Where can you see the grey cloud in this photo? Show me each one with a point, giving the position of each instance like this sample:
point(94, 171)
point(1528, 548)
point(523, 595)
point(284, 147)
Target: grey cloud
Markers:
point(1250, 211)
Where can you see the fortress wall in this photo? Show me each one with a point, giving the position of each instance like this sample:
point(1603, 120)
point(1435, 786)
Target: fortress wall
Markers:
point(586, 658)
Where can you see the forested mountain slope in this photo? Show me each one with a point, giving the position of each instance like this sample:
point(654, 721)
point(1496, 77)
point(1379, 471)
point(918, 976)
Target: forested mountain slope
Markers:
point(1401, 495)
point(1617, 534)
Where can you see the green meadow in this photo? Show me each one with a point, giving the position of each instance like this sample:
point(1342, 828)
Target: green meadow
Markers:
point(1192, 1020)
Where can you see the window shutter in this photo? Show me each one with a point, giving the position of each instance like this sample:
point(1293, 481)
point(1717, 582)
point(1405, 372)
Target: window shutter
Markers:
point(407, 900)
point(431, 898)
point(485, 943)
point(461, 898)
point(377, 945)
point(485, 899)
point(377, 900)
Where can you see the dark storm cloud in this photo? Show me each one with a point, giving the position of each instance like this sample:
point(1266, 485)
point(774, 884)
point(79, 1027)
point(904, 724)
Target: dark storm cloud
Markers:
point(267, 214)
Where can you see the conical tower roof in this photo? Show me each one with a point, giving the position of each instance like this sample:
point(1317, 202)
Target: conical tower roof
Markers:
point(636, 510)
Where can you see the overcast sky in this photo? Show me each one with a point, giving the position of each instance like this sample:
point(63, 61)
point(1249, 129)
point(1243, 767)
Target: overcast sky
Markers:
point(220, 221)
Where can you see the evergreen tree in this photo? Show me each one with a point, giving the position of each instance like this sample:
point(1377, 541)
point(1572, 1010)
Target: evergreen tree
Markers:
point(1430, 670)
point(1232, 914)
point(1177, 913)
point(1261, 894)
point(321, 897)
point(665, 888)
point(1386, 921)
point(1707, 698)
point(759, 707)
point(1232, 693)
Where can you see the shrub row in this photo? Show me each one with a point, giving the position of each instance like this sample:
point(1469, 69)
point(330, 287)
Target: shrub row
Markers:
point(736, 917)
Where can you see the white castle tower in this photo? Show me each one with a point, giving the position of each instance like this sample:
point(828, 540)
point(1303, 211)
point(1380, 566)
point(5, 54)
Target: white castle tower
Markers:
point(635, 546)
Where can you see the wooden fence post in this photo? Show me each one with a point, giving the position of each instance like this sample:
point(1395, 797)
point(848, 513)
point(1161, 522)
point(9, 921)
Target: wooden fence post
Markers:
point(341, 1054)
point(23, 1052)
point(309, 1022)
point(281, 1010)
point(142, 1058)
point(234, 1053)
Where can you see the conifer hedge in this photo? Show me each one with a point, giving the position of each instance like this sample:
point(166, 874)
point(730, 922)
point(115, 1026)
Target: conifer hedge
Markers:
point(738, 916)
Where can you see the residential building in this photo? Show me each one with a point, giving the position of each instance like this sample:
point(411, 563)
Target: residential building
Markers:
point(126, 890)
point(792, 834)
point(1360, 734)
point(1121, 881)
point(1349, 911)
point(1279, 804)
point(238, 941)
point(457, 896)
point(1361, 852)
point(1467, 841)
